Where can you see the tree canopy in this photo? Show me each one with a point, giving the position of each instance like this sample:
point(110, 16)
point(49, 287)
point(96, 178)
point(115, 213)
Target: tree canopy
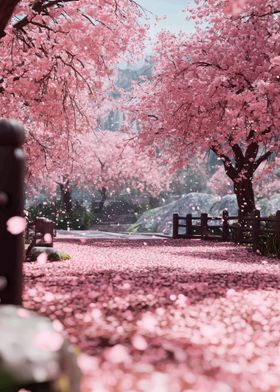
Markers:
point(58, 62)
point(217, 89)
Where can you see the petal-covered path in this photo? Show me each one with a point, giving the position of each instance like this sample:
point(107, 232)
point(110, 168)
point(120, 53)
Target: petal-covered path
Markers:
point(164, 315)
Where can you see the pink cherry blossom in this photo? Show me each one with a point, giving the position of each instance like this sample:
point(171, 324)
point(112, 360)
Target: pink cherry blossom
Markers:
point(139, 342)
point(221, 331)
point(68, 71)
point(117, 354)
point(47, 340)
point(214, 90)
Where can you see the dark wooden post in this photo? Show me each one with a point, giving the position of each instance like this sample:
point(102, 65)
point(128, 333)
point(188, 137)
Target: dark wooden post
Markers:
point(277, 226)
point(11, 204)
point(225, 225)
point(204, 225)
point(239, 233)
point(43, 226)
point(175, 226)
point(256, 228)
point(189, 226)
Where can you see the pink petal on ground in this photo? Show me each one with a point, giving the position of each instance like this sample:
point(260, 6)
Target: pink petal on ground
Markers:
point(86, 363)
point(139, 342)
point(42, 258)
point(117, 354)
point(148, 322)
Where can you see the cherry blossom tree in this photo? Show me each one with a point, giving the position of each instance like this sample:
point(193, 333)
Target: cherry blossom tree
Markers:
point(58, 63)
point(217, 89)
point(266, 181)
point(102, 161)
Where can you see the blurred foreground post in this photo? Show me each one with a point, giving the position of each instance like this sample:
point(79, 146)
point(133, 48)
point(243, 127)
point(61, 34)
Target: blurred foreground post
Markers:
point(11, 204)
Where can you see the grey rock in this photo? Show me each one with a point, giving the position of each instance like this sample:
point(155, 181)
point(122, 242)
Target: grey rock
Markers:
point(227, 202)
point(33, 351)
point(159, 220)
point(269, 206)
point(53, 254)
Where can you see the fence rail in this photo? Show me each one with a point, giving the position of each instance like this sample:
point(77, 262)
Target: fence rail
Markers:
point(245, 230)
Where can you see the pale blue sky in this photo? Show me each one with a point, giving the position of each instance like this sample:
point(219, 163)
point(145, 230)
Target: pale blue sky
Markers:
point(173, 9)
point(175, 19)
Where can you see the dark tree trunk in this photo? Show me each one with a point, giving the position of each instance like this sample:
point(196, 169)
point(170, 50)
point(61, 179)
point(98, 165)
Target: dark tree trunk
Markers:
point(66, 197)
point(153, 202)
point(6, 10)
point(240, 168)
point(100, 207)
point(245, 196)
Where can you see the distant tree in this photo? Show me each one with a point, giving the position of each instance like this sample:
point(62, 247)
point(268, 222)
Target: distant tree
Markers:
point(106, 162)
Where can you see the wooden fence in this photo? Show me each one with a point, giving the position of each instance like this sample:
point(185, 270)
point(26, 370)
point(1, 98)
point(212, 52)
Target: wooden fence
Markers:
point(249, 230)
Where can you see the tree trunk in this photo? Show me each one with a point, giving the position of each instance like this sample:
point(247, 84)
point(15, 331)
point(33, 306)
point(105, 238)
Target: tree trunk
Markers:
point(6, 10)
point(244, 192)
point(66, 197)
point(100, 207)
point(241, 168)
point(153, 202)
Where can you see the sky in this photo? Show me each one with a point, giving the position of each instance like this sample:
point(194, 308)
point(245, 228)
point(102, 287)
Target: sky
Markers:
point(173, 10)
point(175, 21)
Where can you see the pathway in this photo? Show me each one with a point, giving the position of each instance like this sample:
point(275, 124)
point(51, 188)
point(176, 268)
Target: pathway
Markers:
point(97, 234)
point(164, 315)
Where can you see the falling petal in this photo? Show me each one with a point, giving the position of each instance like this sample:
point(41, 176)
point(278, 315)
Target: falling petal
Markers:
point(16, 225)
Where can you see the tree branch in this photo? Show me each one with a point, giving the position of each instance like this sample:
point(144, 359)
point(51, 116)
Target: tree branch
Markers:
point(261, 159)
point(231, 172)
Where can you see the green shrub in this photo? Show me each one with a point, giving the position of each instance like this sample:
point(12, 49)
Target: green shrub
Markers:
point(42, 210)
point(52, 256)
point(79, 218)
point(267, 243)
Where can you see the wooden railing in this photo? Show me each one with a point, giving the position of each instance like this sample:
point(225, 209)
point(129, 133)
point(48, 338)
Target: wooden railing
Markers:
point(227, 228)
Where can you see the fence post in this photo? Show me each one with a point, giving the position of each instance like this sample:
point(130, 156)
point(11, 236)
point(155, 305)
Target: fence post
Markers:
point(239, 236)
point(204, 225)
point(189, 226)
point(175, 227)
point(256, 228)
point(225, 235)
point(11, 204)
point(277, 224)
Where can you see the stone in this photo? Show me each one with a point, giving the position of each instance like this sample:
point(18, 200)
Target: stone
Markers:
point(159, 220)
point(269, 206)
point(228, 202)
point(34, 353)
point(52, 253)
